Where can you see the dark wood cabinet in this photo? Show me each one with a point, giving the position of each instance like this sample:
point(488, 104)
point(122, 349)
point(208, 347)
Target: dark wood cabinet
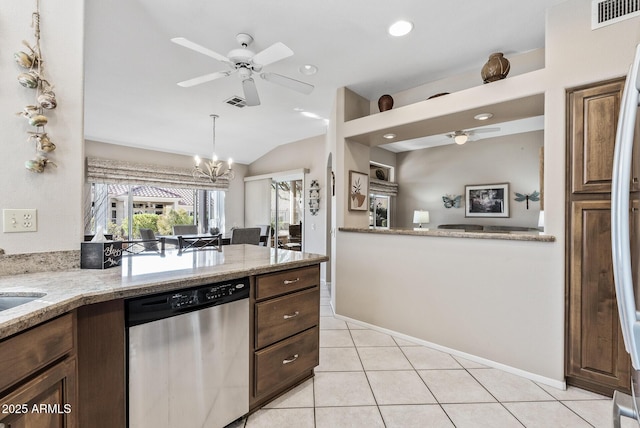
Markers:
point(595, 354)
point(285, 337)
point(102, 382)
point(38, 377)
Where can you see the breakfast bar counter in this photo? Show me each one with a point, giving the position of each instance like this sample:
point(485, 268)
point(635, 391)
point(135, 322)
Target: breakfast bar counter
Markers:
point(454, 233)
point(63, 291)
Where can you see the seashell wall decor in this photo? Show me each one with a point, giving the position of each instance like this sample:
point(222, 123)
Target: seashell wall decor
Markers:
point(34, 78)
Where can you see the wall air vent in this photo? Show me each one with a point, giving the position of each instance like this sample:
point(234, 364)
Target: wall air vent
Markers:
point(607, 12)
point(236, 101)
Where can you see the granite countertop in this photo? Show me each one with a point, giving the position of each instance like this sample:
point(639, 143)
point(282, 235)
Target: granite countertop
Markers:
point(138, 275)
point(455, 233)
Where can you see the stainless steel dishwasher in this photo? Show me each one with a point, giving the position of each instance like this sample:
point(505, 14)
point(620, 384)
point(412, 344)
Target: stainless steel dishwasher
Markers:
point(188, 357)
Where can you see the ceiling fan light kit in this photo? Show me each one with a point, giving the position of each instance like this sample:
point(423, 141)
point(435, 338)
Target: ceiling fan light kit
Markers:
point(460, 137)
point(246, 63)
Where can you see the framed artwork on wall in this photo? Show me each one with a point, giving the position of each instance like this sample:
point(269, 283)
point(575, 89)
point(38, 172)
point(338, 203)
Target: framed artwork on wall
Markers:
point(358, 191)
point(487, 200)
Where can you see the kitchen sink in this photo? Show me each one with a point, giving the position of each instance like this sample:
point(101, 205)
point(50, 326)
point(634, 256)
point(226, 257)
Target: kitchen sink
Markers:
point(11, 300)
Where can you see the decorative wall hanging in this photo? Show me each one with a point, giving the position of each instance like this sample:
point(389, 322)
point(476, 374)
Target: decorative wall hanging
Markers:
point(358, 191)
point(314, 197)
point(45, 98)
point(452, 201)
point(487, 200)
point(533, 197)
point(496, 68)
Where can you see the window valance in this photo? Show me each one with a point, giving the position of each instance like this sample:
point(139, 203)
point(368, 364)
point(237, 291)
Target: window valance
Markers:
point(381, 187)
point(124, 172)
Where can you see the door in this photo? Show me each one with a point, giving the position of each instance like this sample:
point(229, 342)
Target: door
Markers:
point(287, 212)
point(596, 355)
point(596, 358)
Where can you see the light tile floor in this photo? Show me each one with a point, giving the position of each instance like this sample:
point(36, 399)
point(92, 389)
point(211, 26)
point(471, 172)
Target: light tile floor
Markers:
point(370, 379)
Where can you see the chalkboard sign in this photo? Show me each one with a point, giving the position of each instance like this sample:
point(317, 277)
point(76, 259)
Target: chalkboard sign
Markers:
point(100, 255)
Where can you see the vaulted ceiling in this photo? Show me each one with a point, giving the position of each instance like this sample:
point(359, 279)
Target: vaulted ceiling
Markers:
point(132, 68)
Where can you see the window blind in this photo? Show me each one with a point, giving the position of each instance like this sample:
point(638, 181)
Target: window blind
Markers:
point(124, 172)
point(380, 187)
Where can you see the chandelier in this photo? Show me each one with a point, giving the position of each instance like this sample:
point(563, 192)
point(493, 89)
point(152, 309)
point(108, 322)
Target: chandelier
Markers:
point(213, 169)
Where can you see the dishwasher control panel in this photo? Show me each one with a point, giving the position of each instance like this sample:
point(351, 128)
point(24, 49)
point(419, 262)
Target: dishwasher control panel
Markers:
point(224, 290)
point(144, 309)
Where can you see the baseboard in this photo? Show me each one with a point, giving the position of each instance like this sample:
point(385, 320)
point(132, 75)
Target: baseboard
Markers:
point(562, 385)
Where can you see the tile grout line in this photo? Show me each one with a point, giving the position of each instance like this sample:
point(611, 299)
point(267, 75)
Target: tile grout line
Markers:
point(365, 376)
point(496, 398)
point(425, 383)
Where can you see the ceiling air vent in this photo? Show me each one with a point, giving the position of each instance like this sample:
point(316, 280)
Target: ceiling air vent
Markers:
point(236, 101)
point(606, 12)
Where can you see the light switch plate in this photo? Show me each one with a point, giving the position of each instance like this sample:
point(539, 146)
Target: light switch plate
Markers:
point(19, 220)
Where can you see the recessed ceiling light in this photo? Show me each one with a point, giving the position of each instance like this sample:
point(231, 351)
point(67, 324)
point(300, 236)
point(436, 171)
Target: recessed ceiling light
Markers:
point(308, 69)
point(389, 136)
point(400, 28)
point(298, 109)
point(483, 116)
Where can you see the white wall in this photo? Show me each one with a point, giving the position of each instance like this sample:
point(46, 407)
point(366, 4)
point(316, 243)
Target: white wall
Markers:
point(56, 193)
point(308, 153)
point(424, 176)
point(453, 293)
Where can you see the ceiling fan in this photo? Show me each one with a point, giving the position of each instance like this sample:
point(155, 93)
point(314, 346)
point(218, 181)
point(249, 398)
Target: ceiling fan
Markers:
point(245, 63)
point(461, 137)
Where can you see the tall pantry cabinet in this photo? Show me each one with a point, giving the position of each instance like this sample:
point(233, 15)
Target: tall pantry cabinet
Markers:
point(595, 355)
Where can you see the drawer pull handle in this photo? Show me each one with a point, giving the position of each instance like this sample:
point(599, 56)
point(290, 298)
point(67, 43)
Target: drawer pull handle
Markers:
point(290, 360)
point(291, 281)
point(286, 316)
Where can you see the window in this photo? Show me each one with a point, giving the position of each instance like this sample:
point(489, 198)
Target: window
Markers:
point(152, 207)
point(379, 216)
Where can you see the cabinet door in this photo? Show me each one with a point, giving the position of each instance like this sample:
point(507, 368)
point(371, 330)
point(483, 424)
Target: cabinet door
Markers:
point(596, 359)
point(49, 400)
point(593, 118)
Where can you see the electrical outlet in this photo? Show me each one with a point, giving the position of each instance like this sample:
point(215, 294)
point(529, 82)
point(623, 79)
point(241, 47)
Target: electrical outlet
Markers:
point(19, 220)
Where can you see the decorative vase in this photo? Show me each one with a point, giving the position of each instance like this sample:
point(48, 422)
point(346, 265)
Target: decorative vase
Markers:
point(496, 68)
point(385, 102)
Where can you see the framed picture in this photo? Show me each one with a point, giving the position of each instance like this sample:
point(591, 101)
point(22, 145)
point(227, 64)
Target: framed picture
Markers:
point(358, 191)
point(487, 200)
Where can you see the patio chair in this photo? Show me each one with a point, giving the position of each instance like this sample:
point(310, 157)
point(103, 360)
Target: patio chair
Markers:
point(248, 235)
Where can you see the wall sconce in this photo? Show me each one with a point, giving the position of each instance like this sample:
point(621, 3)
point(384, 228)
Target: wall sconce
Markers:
point(420, 217)
point(314, 197)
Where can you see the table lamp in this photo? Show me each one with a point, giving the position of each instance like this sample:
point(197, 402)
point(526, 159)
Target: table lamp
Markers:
point(420, 217)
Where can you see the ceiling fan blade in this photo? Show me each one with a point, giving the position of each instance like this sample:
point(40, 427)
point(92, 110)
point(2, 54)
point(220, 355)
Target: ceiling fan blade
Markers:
point(481, 130)
point(201, 49)
point(288, 82)
point(250, 92)
point(203, 79)
point(273, 53)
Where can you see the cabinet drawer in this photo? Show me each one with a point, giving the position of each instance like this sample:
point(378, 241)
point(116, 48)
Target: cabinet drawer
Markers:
point(28, 352)
point(285, 360)
point(285, 316)
point(274, 284)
